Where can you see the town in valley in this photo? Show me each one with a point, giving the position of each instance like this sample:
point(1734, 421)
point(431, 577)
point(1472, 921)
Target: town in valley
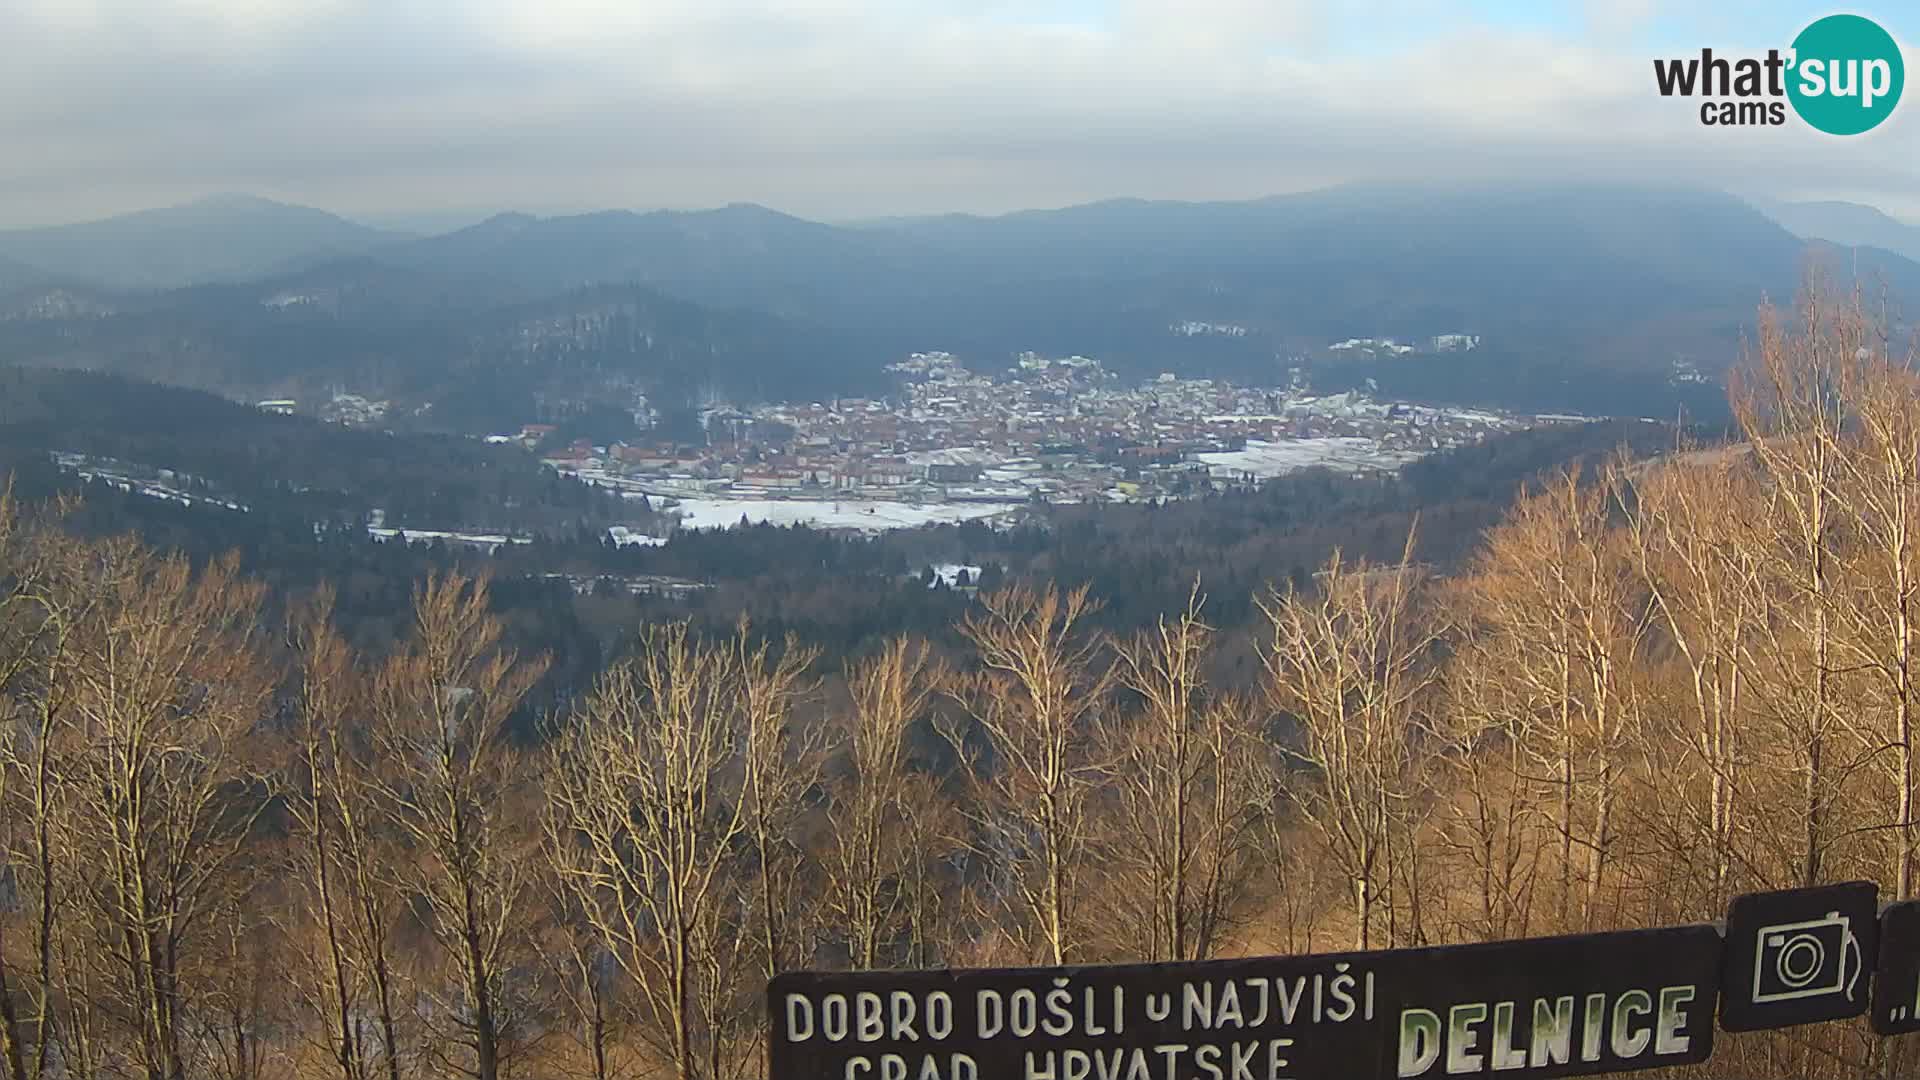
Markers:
point(960, 445)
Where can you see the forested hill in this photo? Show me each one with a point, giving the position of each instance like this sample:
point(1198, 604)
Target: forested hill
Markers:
point(1582, 279)
point(308, 488)
point(287, 469)
point(1140, 561)
point(1583, 300)
point(456, 353)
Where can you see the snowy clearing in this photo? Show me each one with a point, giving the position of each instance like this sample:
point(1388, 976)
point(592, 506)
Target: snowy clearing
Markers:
point(1264, 459)
point(865, 514)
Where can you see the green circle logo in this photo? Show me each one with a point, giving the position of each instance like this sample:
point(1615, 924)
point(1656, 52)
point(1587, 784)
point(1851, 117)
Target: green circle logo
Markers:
point(1847, 75)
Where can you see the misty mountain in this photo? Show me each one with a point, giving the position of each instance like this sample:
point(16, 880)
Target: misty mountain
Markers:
point(224, 238)
point(453, 352)
point(738, 254)
point(1681, 234)
point(1849, 224)
point(15, 275)
point(1408, 262)
point(1585, 299)
point(1583, 277)
point(748, 254)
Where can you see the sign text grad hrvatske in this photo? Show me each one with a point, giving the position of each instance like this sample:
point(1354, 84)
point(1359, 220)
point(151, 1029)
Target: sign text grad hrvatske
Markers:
point(1544, 1007)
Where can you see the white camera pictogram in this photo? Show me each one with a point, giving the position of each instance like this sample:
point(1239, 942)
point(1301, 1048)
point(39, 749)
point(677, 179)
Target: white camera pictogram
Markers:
point(1806, 959)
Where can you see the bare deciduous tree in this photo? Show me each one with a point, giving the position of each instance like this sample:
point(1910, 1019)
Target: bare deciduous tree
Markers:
point(646, 807)
point(327, 689)
point(1880, 609)
point(1790, 408)
point(780, 762)
point(1350, 666)
point(1491, 824)
point(166, 691)
point(445, 768)
point(1701, 561)
point(1559, 613)
point(872, 855)
point(1184, 794)
point(36, 620)
point(1034, 700)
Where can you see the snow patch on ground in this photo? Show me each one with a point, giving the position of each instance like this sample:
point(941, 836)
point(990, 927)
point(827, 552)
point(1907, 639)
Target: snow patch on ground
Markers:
point(1264, 459)
point(950, 573)
point(625, 537)
point(865, 514)
point(481, 540)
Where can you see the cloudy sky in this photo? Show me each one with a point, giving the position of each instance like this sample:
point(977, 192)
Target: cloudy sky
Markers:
point(843, 109)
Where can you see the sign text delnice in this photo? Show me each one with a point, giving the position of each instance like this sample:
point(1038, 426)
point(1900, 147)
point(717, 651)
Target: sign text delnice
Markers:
point(1541, 1007)
point(1620, 1001)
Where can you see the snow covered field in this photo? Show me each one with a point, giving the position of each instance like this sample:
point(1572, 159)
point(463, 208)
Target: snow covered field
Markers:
point(129, 478)
point(1264, 459)
point(625, 537)
point(867, 514)
point(489, 541)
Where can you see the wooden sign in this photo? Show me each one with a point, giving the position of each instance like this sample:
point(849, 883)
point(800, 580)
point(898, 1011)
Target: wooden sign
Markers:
point(1542, 1007)
point(1896, 982)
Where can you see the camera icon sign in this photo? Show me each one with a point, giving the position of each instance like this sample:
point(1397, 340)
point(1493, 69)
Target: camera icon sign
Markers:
point(1799, 956)
point(1812, 958)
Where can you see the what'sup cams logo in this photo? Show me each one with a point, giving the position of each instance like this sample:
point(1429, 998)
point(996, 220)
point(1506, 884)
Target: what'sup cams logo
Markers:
point(1842, 76)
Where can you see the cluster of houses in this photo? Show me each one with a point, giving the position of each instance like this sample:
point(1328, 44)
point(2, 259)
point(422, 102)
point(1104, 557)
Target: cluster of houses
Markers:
point(1058, 430)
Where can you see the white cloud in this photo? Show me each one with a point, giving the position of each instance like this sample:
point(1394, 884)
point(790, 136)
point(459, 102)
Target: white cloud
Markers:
point(1615, 17)
point(836, 107)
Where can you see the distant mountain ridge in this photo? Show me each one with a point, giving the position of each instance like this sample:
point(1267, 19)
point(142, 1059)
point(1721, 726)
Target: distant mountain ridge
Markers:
point(1849, 224)
point(1582, 298)
point(741, 254)
point(747, 253)
point(1339, 262)
point(220, 238)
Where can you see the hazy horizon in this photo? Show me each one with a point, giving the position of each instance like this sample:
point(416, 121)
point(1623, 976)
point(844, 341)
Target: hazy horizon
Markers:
point(440, 221)
point(854, 109)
